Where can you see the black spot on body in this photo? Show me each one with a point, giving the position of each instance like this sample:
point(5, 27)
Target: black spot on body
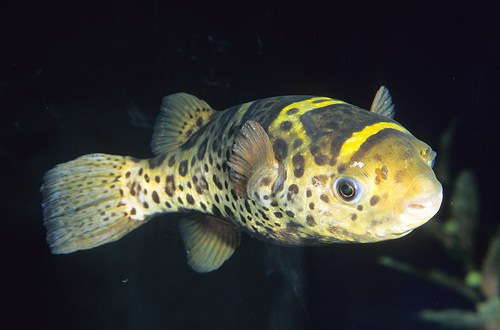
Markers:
point(157, 179)
point(324, 198)
point(203, 206)
point(280, 147)
point(286, 125)
point(359, 207)
point(290, 214)
point(216, 211)
point(292, 111)
point(183, 166)
point(263, 215)
point(293, 188)
point(228, 211)
point(310, 220)
point(199, 122)
point(233, 193)
point(190, 199)
point(247, 206)
point(298, 162)
point(215, 145)
point(354, 216)
point(171, 161)
point(278, 215)
point(170, 185)
point(218, 184)
point(155, 197)
point(374, 200)
point(297, 143)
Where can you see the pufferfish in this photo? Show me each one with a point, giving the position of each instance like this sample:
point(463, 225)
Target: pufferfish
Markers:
point(289, 170)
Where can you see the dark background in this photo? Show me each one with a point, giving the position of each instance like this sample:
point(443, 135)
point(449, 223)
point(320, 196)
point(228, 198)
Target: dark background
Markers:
point(78, 78)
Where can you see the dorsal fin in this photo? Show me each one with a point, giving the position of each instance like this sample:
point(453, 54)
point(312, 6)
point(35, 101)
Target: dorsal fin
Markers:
point(382, 103)
point(180, 117)
point(208, 241)
point(255, 171)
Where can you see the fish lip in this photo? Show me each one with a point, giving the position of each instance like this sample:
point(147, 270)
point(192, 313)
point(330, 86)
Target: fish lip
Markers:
point(424, 208)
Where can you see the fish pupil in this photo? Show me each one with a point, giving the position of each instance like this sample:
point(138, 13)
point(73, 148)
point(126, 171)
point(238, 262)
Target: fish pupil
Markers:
point(346, 190)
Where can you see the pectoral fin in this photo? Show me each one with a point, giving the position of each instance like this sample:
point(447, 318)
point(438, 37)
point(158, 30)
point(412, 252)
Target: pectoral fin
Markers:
point(209, 242)
point(255, 171)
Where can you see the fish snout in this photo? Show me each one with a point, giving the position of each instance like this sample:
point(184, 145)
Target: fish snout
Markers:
point(421, 202)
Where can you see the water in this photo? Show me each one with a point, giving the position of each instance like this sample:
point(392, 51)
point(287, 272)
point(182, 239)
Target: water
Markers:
point(77, 79)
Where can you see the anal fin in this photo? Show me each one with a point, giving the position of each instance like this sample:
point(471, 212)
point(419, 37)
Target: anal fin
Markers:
point(209, 242)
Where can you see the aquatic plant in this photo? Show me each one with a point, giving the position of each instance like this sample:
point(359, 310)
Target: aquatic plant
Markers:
point(455, 227)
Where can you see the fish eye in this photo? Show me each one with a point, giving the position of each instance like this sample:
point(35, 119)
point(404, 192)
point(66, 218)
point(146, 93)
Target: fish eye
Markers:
point(347, 190)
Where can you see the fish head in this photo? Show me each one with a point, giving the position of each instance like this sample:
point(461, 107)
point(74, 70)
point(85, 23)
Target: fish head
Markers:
point(386, 189)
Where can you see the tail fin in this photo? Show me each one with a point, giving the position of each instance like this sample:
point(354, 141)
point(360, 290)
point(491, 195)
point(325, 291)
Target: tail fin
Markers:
point(87, 203)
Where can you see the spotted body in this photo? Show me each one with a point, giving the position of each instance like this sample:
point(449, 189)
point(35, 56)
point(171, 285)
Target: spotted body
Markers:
point(293, 170)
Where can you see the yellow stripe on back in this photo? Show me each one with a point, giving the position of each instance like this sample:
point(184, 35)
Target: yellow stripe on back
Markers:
point(309, 104)
point(302, 107)
point(352, 144)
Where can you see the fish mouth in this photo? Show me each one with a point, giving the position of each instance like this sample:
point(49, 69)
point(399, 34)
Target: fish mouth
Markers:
point(419, 210)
